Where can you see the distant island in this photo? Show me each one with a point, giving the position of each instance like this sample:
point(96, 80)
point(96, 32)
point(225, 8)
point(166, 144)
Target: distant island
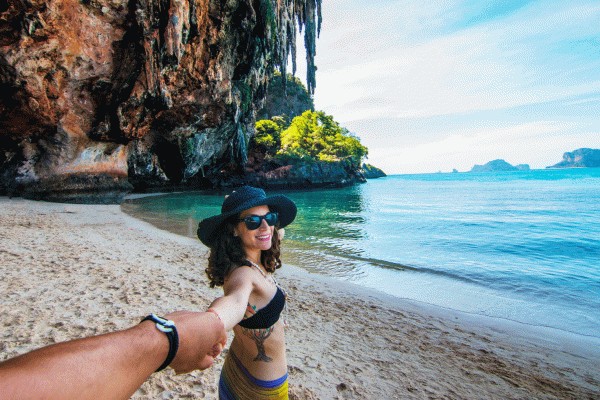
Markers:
point(499, 165)
point(580, 158)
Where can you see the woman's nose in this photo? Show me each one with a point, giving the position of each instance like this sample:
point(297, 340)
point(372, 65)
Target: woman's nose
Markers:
point(263, 224)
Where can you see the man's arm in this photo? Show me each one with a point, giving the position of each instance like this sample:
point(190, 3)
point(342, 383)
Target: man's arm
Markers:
point(114, 365)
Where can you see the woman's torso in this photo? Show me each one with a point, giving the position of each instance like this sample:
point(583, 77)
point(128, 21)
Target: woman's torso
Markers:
point(261, 351)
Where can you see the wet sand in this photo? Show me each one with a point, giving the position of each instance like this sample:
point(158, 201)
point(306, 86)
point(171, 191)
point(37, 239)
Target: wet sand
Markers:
point(76, 270)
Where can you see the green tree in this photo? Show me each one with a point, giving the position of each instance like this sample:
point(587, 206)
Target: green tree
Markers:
point(267, 135)
point(315, 135)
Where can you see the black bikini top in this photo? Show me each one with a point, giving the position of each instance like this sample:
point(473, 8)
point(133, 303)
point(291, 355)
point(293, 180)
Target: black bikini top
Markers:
point(267, 316)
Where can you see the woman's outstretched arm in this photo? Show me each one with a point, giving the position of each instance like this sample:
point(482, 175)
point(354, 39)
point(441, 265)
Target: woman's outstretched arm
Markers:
point(232, 306)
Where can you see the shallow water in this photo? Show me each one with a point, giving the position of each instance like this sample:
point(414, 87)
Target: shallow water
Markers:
point(524, 246)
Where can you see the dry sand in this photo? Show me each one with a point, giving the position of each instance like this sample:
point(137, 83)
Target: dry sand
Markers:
point(74, 270)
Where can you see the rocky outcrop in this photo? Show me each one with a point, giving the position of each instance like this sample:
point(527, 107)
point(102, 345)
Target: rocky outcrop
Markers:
point(499, 165)
point(287, 101)
point(306, 175)
point(99, 97)
point(580, 158)
point(371, 172)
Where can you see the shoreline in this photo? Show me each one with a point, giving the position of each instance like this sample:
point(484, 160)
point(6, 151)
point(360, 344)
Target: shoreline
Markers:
point(71, 263)
point(583, 345)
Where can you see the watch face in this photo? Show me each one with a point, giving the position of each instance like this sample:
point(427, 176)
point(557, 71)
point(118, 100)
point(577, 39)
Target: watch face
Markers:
point(162, 324)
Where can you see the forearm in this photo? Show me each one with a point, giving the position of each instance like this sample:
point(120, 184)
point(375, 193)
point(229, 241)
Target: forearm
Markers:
point(107, 366)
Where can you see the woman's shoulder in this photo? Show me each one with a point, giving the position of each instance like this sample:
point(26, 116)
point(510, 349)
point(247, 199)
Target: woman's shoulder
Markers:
point(240, 276)
point(243, 271)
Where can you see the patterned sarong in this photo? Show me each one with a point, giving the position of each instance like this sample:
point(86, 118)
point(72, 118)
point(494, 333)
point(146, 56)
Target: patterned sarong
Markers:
point(236, 383)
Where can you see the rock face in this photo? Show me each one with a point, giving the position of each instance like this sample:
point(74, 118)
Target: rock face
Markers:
point(306, 175)
point(586, 158)
point(288, 102)
point(102, 96)
point(499, 165)
point(372, 172)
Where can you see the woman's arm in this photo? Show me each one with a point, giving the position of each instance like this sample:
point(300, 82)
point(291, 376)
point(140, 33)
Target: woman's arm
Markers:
point(111, 366)
point(232, 306)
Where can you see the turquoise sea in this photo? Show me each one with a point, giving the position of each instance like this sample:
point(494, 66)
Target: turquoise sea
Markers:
point(523, 246)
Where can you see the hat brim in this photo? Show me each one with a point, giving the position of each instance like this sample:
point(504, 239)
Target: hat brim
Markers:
point(284, 206)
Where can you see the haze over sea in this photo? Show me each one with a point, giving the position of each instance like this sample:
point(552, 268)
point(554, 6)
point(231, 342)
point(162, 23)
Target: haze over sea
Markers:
point(523, 246)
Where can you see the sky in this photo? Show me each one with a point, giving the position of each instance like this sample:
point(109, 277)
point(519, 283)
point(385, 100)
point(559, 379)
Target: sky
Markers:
point(438, 85)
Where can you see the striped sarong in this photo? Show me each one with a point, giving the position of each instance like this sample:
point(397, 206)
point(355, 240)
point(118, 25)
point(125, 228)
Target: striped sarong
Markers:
point(236, 383)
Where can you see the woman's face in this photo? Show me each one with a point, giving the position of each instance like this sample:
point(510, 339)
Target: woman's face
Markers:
point(258, 239)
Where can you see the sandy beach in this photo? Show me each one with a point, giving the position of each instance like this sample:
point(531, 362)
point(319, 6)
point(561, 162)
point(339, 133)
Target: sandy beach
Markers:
point(75, 270)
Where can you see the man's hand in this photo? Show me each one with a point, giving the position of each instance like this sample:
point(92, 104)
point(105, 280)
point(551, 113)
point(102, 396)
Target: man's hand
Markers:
point(202, 337)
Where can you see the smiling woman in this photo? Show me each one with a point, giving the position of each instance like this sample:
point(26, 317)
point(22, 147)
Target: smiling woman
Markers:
point(244, 253)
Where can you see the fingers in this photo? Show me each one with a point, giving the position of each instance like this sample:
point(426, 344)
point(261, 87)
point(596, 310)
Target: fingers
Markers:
point(223, 339)
point(207, 362)
point(200, 364)
point(216, 350)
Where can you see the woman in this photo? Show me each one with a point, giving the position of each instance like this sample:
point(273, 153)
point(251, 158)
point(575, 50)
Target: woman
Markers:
point(244, 253)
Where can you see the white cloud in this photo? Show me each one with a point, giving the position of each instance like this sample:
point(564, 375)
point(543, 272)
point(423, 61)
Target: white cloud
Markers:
point(419, 62)
point(538, 144)
point(490, 67)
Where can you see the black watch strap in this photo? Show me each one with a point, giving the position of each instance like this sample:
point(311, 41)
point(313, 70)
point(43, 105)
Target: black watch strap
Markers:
point(168, 328)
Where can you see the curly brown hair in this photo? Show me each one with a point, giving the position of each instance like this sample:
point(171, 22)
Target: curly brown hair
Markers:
point(228, 254)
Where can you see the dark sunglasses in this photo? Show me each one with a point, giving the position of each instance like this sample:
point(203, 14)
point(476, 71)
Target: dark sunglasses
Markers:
point(253, 221)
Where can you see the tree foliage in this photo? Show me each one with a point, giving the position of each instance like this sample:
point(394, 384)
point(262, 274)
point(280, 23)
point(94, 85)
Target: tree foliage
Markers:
point(267, 134)
point(312, 136)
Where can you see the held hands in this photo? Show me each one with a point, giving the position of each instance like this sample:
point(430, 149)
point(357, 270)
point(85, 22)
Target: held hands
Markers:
point(202, 337)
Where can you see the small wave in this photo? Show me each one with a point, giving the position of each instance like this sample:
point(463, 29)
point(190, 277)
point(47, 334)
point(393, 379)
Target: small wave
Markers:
point(358, 262)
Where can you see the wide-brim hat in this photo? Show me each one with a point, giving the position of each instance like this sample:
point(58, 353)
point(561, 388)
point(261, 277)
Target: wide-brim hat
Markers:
point(242, 199)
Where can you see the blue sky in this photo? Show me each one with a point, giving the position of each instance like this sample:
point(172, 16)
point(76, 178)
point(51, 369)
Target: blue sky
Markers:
point(432, 86)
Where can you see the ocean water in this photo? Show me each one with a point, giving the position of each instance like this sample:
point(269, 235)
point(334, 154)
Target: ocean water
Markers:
point(522, 246)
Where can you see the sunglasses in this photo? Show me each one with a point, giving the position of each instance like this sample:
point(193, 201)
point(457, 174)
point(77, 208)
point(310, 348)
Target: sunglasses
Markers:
point(253, 221)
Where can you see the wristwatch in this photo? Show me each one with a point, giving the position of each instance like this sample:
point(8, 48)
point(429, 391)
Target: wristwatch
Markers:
point(168, 328)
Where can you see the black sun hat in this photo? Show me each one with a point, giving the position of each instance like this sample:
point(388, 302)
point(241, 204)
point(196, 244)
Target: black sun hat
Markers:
point(242, 199)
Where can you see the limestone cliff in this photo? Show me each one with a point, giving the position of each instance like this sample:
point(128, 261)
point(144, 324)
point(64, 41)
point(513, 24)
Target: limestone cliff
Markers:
point(100, 96)
point(301, 174)
point(287, 101)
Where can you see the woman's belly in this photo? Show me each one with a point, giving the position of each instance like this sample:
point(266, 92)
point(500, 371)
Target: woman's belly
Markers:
point(261, 351)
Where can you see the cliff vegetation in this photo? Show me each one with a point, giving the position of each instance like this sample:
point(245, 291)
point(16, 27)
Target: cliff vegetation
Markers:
point(312, 136)
point(311, 150)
